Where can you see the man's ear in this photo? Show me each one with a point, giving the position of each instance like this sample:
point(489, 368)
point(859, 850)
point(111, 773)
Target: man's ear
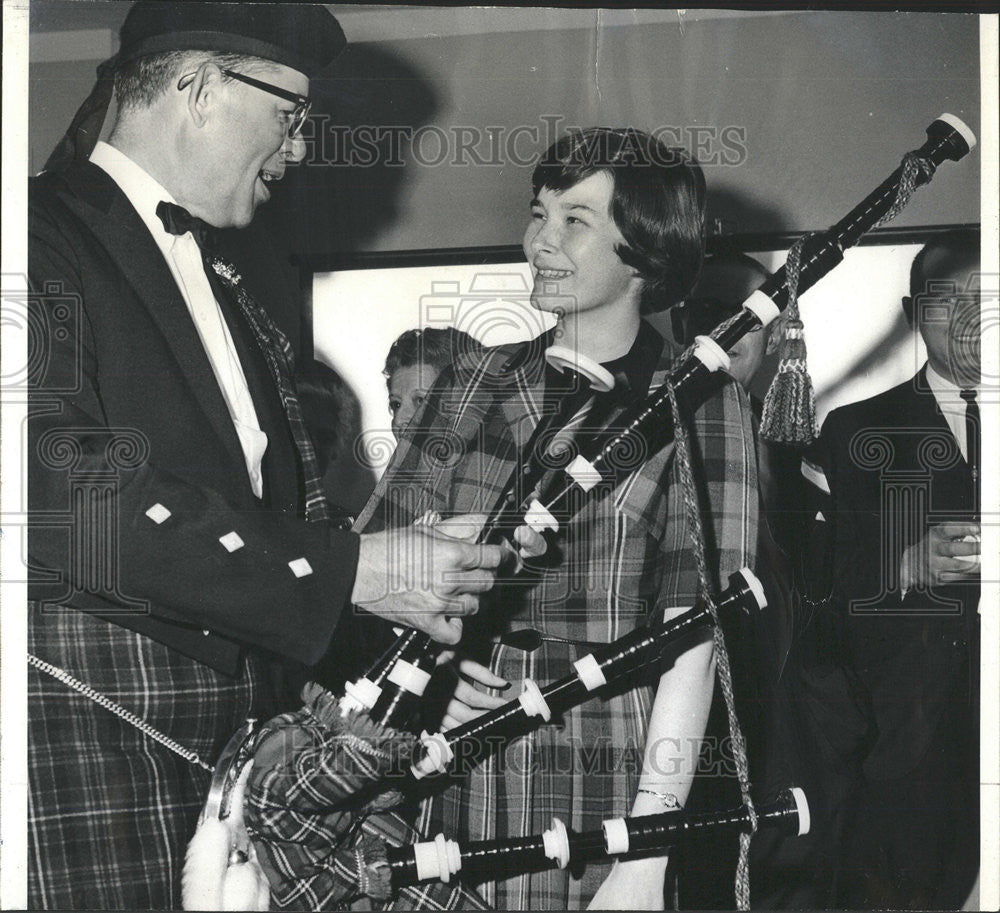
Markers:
point(908, 309)
point(203, 92)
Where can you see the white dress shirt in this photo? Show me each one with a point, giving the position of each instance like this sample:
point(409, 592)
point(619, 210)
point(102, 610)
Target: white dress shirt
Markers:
point(183, 257)
point(952, 407)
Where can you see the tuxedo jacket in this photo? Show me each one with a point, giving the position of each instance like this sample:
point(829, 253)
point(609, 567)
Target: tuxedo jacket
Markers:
point(140, 504)
point(895, 470)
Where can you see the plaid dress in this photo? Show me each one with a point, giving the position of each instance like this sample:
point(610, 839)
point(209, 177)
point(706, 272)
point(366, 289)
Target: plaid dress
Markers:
point(620, 563)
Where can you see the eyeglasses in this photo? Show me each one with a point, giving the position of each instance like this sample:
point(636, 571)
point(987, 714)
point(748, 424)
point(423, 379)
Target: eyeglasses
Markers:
point(302, 103)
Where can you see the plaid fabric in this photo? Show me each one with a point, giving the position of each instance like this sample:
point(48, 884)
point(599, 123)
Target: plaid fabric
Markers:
point(396, 831)
point(309, 768)
point(110, 811)
point(623, 560)
point(273, 344)
point(277, 351)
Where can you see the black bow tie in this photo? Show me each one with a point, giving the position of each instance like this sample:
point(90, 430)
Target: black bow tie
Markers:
point(177, 220)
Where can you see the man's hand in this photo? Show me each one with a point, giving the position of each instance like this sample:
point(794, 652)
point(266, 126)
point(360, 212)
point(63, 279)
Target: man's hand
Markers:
point(947, 553)
point(422, 577)
point(530, 543)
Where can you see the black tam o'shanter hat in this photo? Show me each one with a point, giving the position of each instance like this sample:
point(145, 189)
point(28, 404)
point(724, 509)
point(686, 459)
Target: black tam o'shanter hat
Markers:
point(303, 36)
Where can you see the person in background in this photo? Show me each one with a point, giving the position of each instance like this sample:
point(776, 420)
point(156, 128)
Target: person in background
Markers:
point(726, 281)
point(413, 364)
point(902, 715)
point(329, 410)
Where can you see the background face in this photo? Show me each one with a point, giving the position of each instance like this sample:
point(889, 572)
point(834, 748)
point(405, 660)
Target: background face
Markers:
point(951, 327)
point(407, 391)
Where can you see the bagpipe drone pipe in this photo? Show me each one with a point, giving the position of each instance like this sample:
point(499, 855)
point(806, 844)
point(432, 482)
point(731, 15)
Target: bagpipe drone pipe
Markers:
point(560, 847)
point(470, 742)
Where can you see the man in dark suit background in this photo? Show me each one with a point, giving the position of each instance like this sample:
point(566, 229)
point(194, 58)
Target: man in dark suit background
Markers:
point(179, 539)
point(902, 472)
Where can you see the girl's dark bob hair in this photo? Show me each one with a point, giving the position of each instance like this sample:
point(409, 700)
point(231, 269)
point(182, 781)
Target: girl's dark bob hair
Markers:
point(658, 203)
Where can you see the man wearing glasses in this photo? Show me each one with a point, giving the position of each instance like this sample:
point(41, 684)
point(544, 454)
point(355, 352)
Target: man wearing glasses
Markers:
point(180, 535)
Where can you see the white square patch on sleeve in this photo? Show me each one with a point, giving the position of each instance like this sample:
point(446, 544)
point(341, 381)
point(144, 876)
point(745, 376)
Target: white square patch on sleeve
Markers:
point(300, 567)
point(231, 541)
point(158, 513)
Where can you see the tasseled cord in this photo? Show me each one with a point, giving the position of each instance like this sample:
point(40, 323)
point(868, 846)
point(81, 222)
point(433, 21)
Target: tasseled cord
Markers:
point(790, 405)
point(789, 415)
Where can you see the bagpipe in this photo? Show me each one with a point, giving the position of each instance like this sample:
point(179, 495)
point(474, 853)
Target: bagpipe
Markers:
point(297, 782)
point(309, 782)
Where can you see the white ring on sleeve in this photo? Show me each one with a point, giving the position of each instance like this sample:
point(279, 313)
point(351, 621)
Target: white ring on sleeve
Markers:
point(710, 354)
point(802, 807)
point(539, 519)
point(437, 755)
point(409, 677)
point(360, 695)
point(533, 701)
point(555, 842)
point(961, 127)
point(425, 855)
point(755, 586)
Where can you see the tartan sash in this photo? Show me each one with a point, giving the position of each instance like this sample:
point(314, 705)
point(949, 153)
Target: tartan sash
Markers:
point(273, 344)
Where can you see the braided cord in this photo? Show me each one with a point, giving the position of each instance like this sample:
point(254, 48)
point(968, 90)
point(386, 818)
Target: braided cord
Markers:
point(723, 669)
point(717, 332)
point(793, 266)
point(912, 168)
point(119, 711)
point(684, 357)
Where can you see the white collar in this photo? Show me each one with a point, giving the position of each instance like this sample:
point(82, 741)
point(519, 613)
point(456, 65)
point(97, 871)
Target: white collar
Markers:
point(144, 192)
point(945, 391)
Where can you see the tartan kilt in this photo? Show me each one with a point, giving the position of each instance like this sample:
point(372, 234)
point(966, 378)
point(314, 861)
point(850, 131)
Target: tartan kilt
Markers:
point(110, 810)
